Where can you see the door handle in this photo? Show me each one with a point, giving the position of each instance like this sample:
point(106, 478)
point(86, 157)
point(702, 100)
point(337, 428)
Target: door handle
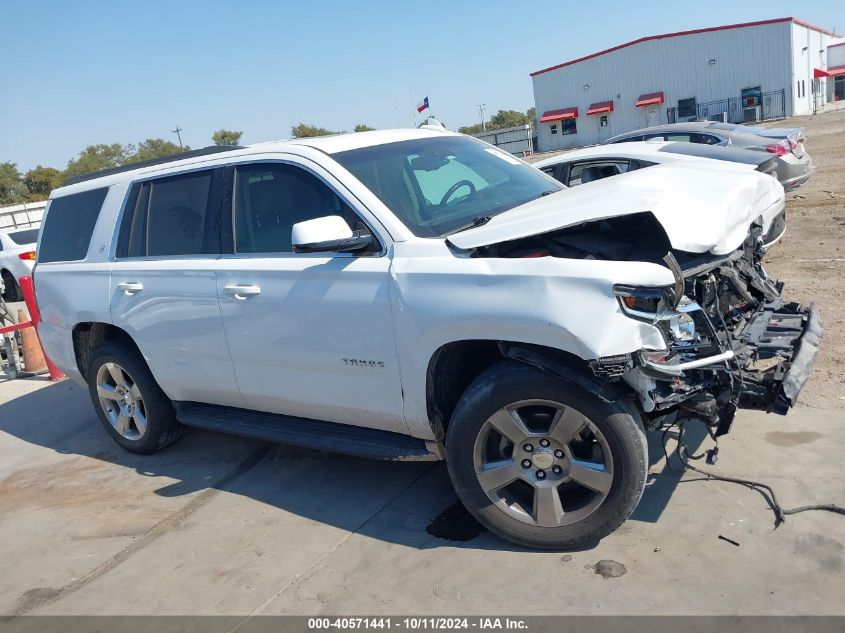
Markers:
point(241, 292)
point(130, 287)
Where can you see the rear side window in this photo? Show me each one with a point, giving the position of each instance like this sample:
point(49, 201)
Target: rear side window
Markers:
point(22, 238)
point(171, 216)
point(69, 226)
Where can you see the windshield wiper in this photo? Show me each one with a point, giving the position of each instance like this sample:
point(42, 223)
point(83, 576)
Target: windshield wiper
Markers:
point(479, 221)
point(548, 193)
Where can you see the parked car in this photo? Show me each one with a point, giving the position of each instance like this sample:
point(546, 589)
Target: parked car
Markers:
point(17, 257)
point(421, 295)
point(794, 163)
point(589, 164)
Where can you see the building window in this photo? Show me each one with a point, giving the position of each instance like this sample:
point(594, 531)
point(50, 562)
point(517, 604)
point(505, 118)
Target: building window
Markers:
point(687, 107)
point(554, 128)
point(568, 127)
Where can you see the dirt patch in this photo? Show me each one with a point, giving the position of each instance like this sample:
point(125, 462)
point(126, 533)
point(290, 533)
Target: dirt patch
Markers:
point(609, 569)
point(788, 439)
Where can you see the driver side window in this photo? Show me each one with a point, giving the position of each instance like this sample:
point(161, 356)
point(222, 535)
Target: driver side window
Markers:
point(270, 198)
point(435, 184)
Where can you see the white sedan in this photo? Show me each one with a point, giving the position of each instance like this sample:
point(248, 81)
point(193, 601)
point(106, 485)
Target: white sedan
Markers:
point(17, 257)
point(582, 166)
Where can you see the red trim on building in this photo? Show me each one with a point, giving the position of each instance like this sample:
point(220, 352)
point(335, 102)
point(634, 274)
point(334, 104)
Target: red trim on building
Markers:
point(559, 115)
point(680, 33)
point(600, 108)
point(652, 98)
point(833, 71)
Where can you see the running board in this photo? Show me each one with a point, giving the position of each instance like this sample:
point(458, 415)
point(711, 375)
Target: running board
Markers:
point(316, 434)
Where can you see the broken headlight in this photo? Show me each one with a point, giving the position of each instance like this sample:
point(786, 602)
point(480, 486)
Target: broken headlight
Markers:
point(653, 305)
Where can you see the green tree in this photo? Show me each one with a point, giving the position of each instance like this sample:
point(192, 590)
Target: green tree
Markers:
point(154, 148)
point(306, 130)
point(470, 129)
point(531, 113)
point(97, 157)
point(361, 127)
point(12, 190)
point(39, 182)
point(507, 118)
point(226, 137)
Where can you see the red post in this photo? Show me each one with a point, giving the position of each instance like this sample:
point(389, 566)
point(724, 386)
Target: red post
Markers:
point(28, 290)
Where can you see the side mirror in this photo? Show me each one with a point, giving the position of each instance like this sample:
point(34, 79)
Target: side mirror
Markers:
point(327, 234)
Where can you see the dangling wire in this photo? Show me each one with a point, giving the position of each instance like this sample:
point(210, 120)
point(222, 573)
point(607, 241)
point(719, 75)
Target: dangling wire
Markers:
point(765, 490)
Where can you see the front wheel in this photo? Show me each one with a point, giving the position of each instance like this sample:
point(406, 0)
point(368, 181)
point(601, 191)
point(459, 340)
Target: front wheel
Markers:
point(543, 463)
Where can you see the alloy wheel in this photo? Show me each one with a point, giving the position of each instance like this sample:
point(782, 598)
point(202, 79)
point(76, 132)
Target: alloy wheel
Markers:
point(121, 401)
point(543, 463)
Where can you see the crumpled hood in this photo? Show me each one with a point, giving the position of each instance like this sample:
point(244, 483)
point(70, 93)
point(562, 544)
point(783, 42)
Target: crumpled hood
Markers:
point(702, 210)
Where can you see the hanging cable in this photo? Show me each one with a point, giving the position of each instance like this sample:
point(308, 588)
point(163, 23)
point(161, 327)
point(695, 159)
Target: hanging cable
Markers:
point(765, 490)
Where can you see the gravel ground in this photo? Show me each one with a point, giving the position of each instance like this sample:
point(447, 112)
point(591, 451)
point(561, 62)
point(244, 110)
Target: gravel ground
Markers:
point(810, 259)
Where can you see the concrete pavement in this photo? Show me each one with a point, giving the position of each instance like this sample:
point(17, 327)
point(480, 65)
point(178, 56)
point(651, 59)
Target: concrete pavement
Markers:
point(222, 525)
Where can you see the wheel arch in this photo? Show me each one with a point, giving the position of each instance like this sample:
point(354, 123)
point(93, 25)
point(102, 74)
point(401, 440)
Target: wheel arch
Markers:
point(454, 366)
point(88, 336)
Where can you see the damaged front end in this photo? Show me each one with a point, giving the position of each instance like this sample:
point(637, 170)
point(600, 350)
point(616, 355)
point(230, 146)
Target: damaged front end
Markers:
point(732, 342)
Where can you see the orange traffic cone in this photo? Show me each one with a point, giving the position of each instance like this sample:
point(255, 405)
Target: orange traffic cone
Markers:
point(33, 356)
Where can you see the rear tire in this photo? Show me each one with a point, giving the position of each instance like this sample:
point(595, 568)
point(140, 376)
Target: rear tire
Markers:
point(12, 291)
point(131, 406)
point(543, 463)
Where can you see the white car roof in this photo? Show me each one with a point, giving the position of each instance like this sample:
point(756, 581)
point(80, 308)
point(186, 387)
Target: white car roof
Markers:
point(356, 140)
point(645, 150)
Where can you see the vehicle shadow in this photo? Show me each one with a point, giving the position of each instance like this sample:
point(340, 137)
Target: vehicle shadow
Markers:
point(411, 504)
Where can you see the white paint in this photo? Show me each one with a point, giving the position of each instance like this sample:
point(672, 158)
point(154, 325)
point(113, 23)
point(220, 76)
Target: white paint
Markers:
point(282, 349)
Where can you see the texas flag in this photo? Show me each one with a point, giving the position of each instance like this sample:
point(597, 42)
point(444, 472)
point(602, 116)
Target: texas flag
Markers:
point(422, 105)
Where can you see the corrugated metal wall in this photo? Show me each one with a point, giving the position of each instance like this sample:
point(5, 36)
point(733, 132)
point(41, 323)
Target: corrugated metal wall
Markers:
point(678, 66)
point(516, 140)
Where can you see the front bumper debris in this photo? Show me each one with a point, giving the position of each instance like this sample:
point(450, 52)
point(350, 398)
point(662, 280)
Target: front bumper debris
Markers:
point(790, 334)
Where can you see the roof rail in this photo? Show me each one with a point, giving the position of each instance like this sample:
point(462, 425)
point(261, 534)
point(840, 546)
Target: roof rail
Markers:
point(205, 151)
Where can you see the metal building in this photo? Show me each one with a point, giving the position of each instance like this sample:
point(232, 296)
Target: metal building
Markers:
point(734, 73)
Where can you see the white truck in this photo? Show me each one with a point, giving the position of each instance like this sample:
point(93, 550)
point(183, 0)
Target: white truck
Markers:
point(419, 294)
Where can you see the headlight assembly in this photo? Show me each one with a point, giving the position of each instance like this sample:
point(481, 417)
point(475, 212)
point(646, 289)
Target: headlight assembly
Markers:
point(653, 305)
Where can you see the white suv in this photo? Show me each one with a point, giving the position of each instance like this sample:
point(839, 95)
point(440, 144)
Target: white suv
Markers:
point(415, 294)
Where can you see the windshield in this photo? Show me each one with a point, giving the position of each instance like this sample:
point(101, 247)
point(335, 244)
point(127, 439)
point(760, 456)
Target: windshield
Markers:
point(439, 185)
point(29, 236)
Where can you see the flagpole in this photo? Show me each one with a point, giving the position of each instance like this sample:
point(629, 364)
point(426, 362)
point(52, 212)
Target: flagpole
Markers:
point(413, 105)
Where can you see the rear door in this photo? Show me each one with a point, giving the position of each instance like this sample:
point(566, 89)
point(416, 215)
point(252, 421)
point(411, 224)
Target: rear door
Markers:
point(164, 287)
point(311, 335)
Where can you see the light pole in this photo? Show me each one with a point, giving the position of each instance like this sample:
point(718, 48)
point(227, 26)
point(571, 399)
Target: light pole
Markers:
point(481, 114)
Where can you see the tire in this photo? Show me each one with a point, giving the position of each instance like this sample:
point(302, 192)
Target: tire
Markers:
point(524, 511)
point(150, 405)
point(12, 291)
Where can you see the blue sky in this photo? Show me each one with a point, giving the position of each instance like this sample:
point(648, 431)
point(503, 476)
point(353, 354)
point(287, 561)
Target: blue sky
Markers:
point(83, 72)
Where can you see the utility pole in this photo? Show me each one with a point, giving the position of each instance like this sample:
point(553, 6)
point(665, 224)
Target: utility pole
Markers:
point(178, 133)
point(481, 114)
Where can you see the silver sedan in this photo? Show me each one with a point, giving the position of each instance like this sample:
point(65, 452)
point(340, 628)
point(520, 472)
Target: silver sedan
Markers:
point(794, 165)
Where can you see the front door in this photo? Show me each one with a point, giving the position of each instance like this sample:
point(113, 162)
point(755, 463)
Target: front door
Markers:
point(164, 289)
point(310, 335)
point(652, 116)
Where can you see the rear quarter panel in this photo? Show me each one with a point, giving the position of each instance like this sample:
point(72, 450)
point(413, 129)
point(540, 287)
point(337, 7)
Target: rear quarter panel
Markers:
point(74, 292)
